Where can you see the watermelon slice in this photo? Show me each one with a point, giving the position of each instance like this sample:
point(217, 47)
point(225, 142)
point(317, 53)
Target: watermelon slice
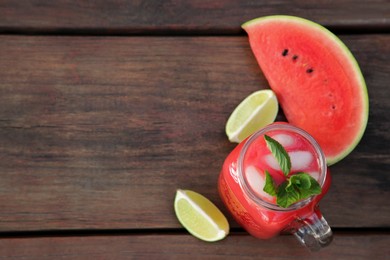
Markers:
point(317, 80)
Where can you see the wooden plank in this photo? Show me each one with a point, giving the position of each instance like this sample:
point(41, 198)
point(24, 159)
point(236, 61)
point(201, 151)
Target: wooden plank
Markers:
point(344, 246)
point(126, 17)
point(98, 133)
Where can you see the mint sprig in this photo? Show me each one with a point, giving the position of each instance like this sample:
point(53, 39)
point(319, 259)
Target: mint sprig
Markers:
point(269, 186)
point(296, 187)
point(279, 153)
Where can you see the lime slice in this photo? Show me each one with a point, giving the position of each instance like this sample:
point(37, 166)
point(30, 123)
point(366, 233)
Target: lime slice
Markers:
point(200, 216)
point(253, 113)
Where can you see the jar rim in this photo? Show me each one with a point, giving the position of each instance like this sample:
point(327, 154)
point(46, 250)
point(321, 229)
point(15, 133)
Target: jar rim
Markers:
point(244, 183)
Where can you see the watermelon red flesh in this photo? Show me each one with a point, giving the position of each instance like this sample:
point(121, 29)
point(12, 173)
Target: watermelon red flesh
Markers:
point(317, 80)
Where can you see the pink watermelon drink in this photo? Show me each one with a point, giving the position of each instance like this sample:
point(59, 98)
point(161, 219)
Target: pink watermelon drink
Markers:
point(243, 178)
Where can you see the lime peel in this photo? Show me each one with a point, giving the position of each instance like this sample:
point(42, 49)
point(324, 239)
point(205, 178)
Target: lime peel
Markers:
point(200, 216)
point(253, 113)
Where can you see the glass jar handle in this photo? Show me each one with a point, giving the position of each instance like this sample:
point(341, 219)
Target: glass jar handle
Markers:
point(315, 233)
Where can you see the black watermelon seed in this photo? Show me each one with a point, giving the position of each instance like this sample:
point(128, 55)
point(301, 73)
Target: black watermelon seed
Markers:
point(285, 52)
point(295, 57)
point(309, 70)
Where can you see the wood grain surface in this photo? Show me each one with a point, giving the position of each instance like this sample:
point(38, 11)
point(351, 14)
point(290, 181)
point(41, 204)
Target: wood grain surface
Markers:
point(99, 132)
point(236, 246)
point(156, 17)
point(107, 107)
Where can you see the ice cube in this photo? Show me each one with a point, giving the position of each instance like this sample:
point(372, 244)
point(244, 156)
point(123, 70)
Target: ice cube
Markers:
point(272, 162)
point(254, 178)
point(300, 160)
point(256, 182)
point(315, 175)
point(284, 139)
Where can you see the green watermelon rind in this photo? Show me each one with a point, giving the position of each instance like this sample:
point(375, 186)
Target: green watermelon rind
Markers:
point(353, 63)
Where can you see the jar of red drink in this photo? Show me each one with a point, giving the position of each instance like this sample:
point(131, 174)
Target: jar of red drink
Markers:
point(242, 179)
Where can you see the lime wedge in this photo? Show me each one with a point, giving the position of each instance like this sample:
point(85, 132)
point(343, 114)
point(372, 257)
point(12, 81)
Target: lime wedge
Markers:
point(200, 216)
point(253, 113)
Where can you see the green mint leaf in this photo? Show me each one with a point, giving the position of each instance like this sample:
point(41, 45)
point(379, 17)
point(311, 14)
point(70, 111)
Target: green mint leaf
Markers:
point(314, 188)
point(287, 196)
point(291, 183)
point(279, 153)
point(269, 185)
point(301, 180)
point(298, 187)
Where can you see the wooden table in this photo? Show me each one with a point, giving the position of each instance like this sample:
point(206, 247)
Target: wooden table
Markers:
point(108, 107)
